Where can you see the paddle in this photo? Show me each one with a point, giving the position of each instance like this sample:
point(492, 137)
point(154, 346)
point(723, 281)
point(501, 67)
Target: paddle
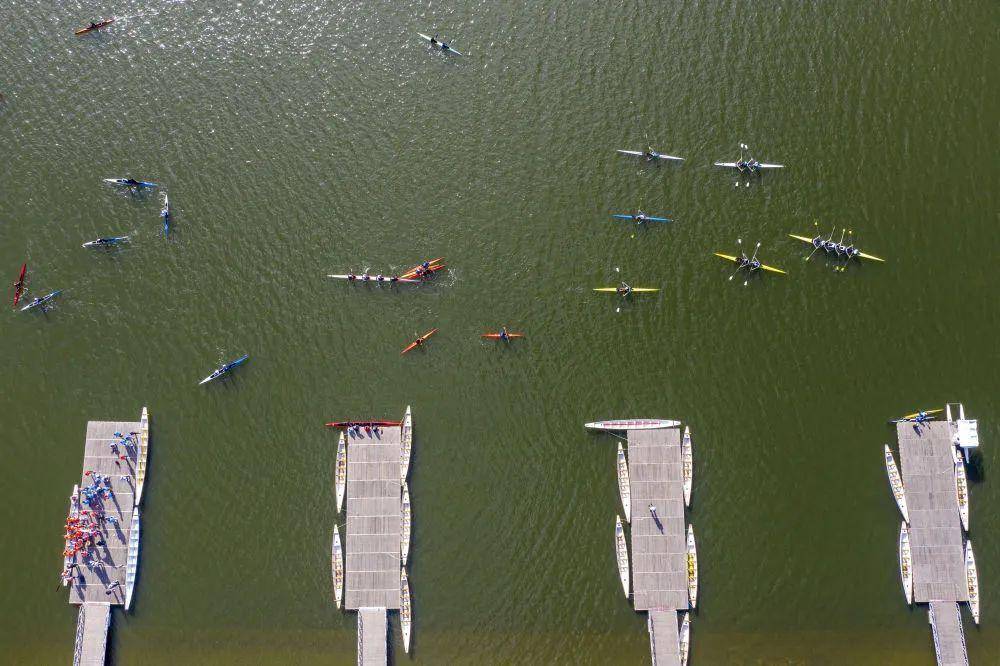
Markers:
point(752, 259)
point(739, 241)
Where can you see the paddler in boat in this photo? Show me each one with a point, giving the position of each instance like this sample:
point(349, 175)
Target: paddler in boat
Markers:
point(133, 182)
point(504, 335)
point(351, 277)
point(650, 154)
point(624, 289)
point(366, 278)
point(380, 278)
point(639, 217)
point(435, 42)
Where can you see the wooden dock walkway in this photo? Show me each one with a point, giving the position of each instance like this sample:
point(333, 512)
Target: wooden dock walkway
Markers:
point(374, 520)
point(92, 624)
point(659, 547)
point(101, 578)
point(373, 629)
point(663, 637)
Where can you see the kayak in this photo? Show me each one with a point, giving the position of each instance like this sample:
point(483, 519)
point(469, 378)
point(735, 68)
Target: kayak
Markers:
point(106, 242)
point(41, 300)
point(364, 424)
point(95, 26)
point(656, 155)
point(19, 284)
point(419, 341)
point(649, 218)
point(165, 214)
point(497, 336)
point(224, 369)
point(441, 45)
point(124, 182)
point(635, 290)
point(370, 279)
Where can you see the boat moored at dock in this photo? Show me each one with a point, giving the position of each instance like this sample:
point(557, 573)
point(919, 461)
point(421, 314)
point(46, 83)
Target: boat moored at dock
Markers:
point(404, 544)
point(687, 465)
point(142, 455)
point(972, 580)
point(692, 568)
point(624, 487)
point(905, 563)
point(631, 424)
point(132, 559)
point(621, 553)
point(405, 609)
point(684, 638)
point(337, 567)
point(340, 474)
point(961, 490)
point(896, 483)
point(406, 444)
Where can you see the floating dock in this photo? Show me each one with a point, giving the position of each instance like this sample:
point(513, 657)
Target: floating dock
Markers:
point(97, 580)
point(376, 469)
point(928, 458)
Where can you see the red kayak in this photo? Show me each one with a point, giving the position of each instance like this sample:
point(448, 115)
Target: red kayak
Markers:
point(433, 266)
point(364, 424)
point(419, 341)
point(19, 285)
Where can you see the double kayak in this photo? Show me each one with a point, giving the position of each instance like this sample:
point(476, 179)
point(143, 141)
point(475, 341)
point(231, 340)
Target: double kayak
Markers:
point(224, 369)
point(106, 242)
point(94, 26)
point(19, 284)
point(40, 301)
point(165, 214)
point(436, 44)
point(378, 279)
point(633, 290)
point(642, 218)
point(419, 341)
point(364, 424)
point(129, 182)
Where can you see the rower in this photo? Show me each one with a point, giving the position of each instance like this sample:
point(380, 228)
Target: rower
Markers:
point(394, 278)
point(132, 181)
point(504, 335)
point(351, 277)
point(639, 217)
point(624, 289)
point(93, 26)
point(426, 265)
point(379, 278)
point(650, 154)
point(366, 277)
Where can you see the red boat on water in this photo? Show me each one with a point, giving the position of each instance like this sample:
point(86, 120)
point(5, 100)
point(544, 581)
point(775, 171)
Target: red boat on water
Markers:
point(364, 424)
point(19, 284)
point(502, 335)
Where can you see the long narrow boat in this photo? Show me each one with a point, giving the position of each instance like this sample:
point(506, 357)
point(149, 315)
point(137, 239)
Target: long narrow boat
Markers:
point(744, 262)
point(405, 610)
point(224, 369)
point(372, 279)
point(972, 580)
point(925, 415)
point(637, 218)
point(363, 424)
point(40, 301)
point(74, 513)
point(340, 474)
point(124, 182)
point(828, 245)
point(631, 424)
point(106, 241)
point(687, 465)
point(500, 336)
point(438, 44)
point(419, 341)
point(404, 543)
point(132, 558)
point(420, 272)
point(337, 567)
point(19, 284)
point(961, 489)
point(141, 455)
point(632, 290)
point(624, 487)
point(896, 483)
point(165, 214)
point(621, 552)
point(692, 568)
point(905, 562)
point(406, 444)
point(684, 638)
point(94, 26)
point(649, 155)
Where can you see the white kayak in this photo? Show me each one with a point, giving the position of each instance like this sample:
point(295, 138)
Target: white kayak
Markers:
point(961, 489)
point(371, 279)
point(896, 483)
point(438, 44)
point(340, 474)
point(337, 566)
point(684, 638)
point(687, 465)
point(632, 424)
point(107, 241)
point(972, 580)
point(655, 155)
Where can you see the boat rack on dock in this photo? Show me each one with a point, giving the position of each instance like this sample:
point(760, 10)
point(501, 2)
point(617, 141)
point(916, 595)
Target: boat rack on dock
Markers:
point(937, 566)
point(373, 468)
point(654, 474)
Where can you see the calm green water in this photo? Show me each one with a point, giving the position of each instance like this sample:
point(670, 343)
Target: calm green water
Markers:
point(301, 139)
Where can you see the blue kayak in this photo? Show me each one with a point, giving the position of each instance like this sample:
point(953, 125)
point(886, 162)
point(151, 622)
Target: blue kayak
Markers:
point(41, 300)
point(648, 218)
point(224, 369)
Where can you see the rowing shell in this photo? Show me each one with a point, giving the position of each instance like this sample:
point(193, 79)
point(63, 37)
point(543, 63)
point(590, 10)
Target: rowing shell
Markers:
point(905, 563)
point(340, 474)
point(624, 487)
point(687, 465)
point(224, 369)
point(961, 489)
point(734, 165)
point(106, 242)
point(813, 242)
point(19, 284)
point(96, 26)
point(972, 581)
point(632, 424)
point(406, 444)
point(770, 269)
point(404, 542)
point(371, 279)
point(621, 552)
point(124, 182)
point(41, 301)
point(497, 336)
point(419, 341)
point(438, 44)
point(634, 290)
point(648, 218)
point(337, 567)
point(692, 568)
point(656, 155)
point(896, 483)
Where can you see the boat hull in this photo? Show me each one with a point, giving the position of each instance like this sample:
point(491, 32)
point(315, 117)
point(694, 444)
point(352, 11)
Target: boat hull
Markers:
point(632, 424)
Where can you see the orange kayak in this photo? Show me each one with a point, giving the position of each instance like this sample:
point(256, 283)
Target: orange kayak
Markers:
point(95, 26)
point(419, 341)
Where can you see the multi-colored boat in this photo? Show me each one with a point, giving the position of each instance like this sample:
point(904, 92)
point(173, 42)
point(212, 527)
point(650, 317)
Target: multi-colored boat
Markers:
point(624, 487)
point(425, 269)
point(621, 553)
point(692, 568)
point(340, 474)
point(905, 563)
point(501, 335)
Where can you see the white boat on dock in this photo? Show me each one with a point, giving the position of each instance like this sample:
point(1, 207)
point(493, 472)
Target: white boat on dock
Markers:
point(905, 563)
point(684, 638)
point(896, 483)
point(404, 545)
point(621, 552)
point(972, 579)
point(141, 455)
point(624, 488)
point(632, 424)
point(337, 567)
point(961, 489)
point(406, 445)
point(405, 615)
point(692, 568)
point(687, 465)
point(340, 474)
point(132, 558)
point(74, 513)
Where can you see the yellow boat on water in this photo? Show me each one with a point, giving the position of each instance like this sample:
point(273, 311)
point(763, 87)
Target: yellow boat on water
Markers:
point(770, 269)
point(829, 246)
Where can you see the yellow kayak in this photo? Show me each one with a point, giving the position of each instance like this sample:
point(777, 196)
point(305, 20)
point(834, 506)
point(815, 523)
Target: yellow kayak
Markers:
point(635, 290)
point(770, 269)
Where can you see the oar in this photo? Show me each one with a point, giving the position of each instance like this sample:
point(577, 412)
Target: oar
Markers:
point(739, 266)
point(815, 247)
point(752, 259)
